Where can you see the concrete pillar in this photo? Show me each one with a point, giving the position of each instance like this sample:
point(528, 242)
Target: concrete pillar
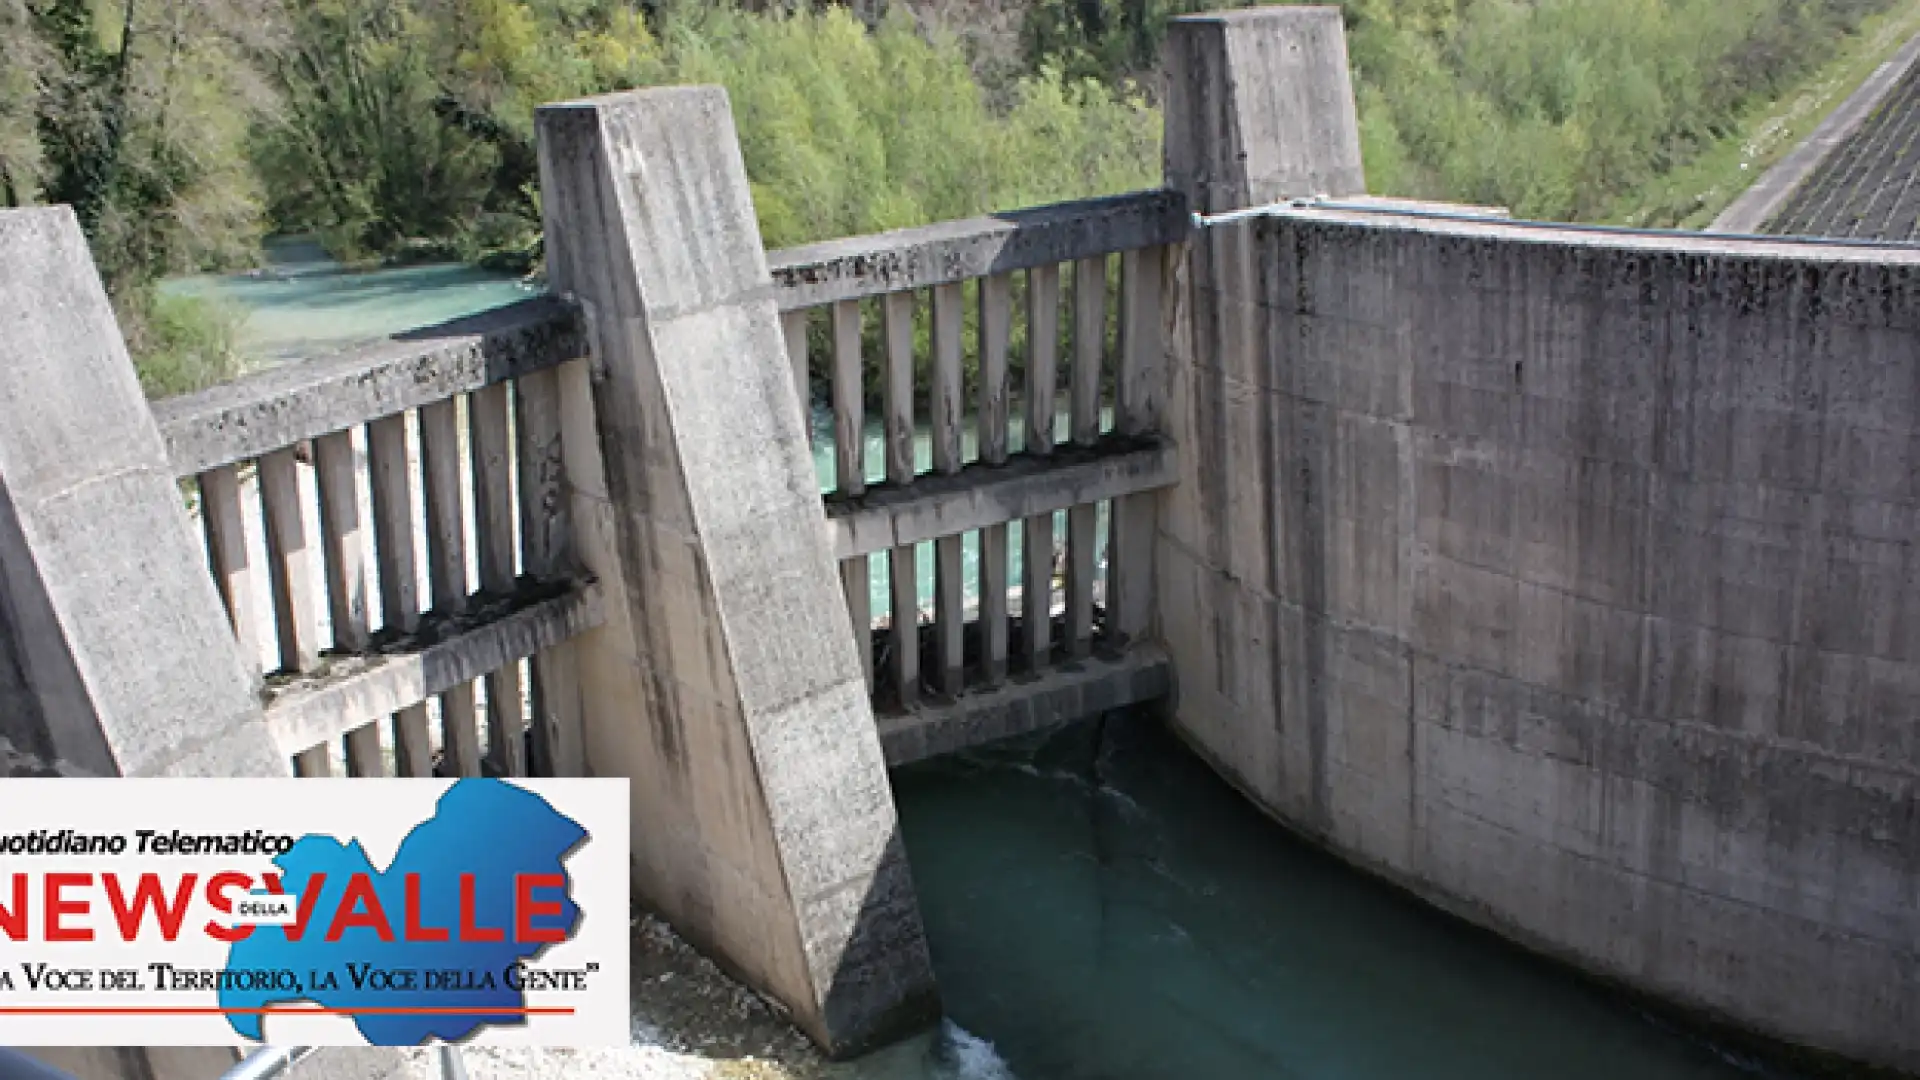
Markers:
point(725, 682)
point(116, 658)
point(1260, 108)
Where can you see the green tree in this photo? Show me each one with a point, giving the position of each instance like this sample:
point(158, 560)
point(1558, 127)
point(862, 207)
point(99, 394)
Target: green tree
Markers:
point(359, 153)
point(135, 114)
point(137, 129)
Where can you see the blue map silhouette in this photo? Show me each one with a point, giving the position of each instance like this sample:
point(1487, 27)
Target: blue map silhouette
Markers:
point(483, 827)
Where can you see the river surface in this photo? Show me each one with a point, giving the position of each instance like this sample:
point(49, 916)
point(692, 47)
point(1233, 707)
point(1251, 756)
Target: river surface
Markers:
point(1100, 906)
point(302, 302)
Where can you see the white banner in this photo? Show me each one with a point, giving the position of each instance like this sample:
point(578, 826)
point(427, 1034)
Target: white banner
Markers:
point(313, 912)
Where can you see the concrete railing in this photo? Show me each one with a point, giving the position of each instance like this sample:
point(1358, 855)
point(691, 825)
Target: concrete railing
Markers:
point(942, 686)
point(307, 477)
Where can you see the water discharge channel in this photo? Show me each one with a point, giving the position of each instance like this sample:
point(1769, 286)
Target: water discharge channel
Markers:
point(1101, 906)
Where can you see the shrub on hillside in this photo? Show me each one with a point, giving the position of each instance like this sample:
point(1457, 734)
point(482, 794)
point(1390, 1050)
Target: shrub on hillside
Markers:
point(1555, 108)
point(179, 343)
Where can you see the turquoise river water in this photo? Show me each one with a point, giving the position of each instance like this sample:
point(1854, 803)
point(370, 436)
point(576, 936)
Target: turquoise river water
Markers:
point(1102, 907)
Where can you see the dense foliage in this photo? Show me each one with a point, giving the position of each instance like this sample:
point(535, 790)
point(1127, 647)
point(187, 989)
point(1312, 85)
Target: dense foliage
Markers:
point(136, 114)
point(1553, 108)
point(415, 122)
point(183, 130)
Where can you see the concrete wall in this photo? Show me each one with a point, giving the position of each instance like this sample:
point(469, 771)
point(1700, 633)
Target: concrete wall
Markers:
point(725, 683)
point(1569, 580)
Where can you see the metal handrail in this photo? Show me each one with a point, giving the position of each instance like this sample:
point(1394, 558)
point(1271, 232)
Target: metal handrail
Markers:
point(269, 1062)
point(1465, 213)
point(15, 1065)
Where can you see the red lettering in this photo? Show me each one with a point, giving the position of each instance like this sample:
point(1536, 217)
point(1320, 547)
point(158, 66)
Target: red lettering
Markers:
point(217, 887)
point(468, 931)
point(13, 920)
point(315, 884)
point(56, 907)
point(525, 907)
point(148, 895)
point(349, 914)
point(415, 931)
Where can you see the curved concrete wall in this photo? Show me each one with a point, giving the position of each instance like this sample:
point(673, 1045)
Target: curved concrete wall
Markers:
point(1569, 580)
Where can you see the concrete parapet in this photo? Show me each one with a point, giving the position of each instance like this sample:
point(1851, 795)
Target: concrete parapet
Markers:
point(116, 658)
point(1565, 578)
point(725, 682)
point(1568, 581)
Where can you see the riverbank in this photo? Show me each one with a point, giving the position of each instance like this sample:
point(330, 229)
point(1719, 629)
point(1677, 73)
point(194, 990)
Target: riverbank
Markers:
point(1692, 196)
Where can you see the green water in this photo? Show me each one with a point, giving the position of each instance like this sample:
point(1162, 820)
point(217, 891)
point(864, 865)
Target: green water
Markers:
point(1102, 907)
point(304, 303)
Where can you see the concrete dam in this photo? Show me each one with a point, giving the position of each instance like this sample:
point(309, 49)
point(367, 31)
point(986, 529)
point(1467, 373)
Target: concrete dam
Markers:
point(1563, 577)
point(1568, 574)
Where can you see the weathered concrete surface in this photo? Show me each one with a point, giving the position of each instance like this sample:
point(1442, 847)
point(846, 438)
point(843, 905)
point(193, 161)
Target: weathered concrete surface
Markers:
point(1074, 690)
point(1260, 108)
point(273, 409)
point(725, 682)
point(115, 655)
point(951, 251)
point(321, 708)
point(1570, 581)
point(982, 495)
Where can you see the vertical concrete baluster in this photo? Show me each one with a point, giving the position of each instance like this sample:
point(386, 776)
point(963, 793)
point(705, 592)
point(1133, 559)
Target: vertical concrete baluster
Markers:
point(944, 404)
point(1043, 345)
point(545, 551)
point(1137, 398)
point(793, 327)
point(390, 474)
point(491, 446)
point(289, 567)
point(546, 521)
point(447, 568)
point(446, 509)
point(850, 466)
point(289, 572)
point(996, 328)
point(314, 761)
point(1089, 356)
point(222, 518)
point(343, 541)
point(903, 561)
